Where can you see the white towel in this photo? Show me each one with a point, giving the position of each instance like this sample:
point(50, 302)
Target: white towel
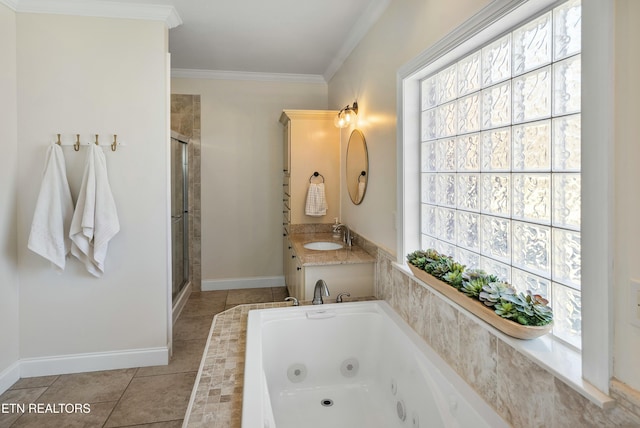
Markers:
point(95, 220)
point(316, 201)
point(54, 208)
point(361, 189)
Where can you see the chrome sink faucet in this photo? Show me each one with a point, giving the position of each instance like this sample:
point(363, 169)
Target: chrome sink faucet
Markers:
point(346, 237)
point(320, 290)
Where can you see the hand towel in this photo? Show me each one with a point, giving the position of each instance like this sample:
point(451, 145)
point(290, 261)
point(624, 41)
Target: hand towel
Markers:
point(95, 219)
point(361, 189)
point(54, 208)
point(316, 200)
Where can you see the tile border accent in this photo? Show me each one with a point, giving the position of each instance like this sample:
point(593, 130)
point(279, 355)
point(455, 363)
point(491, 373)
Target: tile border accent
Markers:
point(216, 399)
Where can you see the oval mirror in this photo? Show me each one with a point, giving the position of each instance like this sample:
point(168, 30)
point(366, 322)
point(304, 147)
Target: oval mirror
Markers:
point(357, 167)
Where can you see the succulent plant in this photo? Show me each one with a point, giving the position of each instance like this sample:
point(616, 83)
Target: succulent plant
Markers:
point(440, 267)
point(473, 288)
point(524, 308)
point(532, 309)
point(494, 291)
point(471, 274)
point(520, 302)
point(444, 266)
point(454, 278)
point(474, 280)
point(506, 309)
point(421, 258)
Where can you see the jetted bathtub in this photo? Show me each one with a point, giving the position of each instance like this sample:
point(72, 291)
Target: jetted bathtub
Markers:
point(350, 365)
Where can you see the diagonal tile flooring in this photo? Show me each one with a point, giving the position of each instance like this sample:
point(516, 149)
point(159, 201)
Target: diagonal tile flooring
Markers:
point(144, 397)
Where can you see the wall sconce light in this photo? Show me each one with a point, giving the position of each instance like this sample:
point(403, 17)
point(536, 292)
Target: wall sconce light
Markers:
point(346, 116)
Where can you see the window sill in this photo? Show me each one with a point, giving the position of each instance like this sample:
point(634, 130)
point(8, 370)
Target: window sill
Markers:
point(561, 360)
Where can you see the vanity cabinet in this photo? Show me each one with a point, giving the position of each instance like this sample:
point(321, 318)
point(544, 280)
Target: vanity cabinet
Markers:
point(293, 271)
point(344, 270)
point(311, 144)
point(357, 279)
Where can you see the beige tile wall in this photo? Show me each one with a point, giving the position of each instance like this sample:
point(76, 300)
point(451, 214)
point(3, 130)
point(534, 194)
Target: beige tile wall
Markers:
point(522, 392)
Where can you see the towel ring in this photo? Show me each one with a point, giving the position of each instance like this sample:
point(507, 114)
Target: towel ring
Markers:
point(362, 174)
point(316, 174)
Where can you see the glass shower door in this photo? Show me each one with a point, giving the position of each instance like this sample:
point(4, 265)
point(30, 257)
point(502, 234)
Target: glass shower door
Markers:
point(179, 215)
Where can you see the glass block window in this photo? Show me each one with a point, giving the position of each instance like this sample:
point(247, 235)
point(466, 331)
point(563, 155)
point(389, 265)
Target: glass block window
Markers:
point(500, 161)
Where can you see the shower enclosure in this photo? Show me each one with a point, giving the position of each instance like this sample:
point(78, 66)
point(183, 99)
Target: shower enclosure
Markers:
point(179, 213)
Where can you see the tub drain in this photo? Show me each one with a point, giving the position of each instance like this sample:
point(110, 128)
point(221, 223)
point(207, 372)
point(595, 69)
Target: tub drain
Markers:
point(326, 402)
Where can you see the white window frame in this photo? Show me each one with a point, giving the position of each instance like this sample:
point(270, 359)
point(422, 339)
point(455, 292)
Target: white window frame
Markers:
point(597, 165)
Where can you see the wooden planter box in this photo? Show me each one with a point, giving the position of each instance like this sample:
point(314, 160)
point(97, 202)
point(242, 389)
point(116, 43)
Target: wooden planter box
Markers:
point(480, 310)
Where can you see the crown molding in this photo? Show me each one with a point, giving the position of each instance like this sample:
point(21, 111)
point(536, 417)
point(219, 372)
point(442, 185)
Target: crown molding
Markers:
point(99, 8)
point(369, 17)
point(11, 4)
point(246, 75)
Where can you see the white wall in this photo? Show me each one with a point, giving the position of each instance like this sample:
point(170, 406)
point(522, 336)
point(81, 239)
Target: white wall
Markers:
point(95, 76)
point(369, 76)
point(8, 188)
point(242, 171)
point(627, 196)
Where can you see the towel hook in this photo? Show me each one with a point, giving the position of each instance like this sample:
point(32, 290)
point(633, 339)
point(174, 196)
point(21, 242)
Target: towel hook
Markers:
point(97, 140)
point(59, 142)
point(76, 146)
point(115, 143)
point(316, 174)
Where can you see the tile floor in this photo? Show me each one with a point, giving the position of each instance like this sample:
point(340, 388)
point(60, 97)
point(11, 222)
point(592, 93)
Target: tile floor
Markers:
point(152, 397)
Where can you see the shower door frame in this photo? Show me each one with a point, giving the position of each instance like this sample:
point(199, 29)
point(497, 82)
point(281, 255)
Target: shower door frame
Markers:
point(184, 216)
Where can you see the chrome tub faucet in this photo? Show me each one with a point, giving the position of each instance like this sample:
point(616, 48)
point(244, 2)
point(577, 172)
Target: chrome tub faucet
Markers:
point(320, 290)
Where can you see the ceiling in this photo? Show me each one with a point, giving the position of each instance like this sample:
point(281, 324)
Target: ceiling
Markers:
point(250, 39)
point(303, 37)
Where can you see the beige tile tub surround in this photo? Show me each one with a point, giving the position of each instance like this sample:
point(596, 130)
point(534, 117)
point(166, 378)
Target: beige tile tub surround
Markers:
point(216, 401)
point(522, 392)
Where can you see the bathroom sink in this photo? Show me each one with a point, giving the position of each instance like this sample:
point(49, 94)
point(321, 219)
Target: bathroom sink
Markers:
point(322, 245)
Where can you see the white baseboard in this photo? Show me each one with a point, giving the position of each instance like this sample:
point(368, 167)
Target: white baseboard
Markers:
point(178, 305)
point(9, 376)
point(240, 283)
point(91, 362)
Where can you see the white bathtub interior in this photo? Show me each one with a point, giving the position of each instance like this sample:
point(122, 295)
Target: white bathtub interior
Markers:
point(350, 365)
